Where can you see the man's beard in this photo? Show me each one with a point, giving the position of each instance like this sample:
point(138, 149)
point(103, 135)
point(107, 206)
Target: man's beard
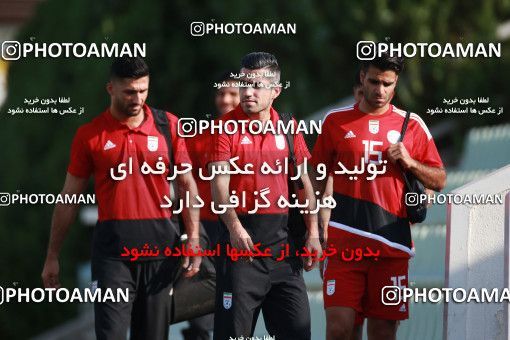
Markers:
point(125, 110)
point(373, 102)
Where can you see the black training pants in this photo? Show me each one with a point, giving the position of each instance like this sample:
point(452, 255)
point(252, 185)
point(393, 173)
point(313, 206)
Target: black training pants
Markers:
point(147, 313)
point(244, 288)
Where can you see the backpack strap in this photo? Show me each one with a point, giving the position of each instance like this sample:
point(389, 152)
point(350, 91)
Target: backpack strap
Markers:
point(163, 126)
point(286, 118)
point(401, 138)
point(404, 126)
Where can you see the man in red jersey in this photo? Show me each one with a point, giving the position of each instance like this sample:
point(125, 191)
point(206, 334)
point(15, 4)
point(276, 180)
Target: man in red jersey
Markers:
point(246, 286)
point(370, 210)
point(226, 99)
point(129, 209)
point(324, 214)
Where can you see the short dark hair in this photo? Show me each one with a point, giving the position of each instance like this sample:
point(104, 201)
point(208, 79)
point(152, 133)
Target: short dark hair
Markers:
point(385, 62)
point(128, 67)
point(258, 60)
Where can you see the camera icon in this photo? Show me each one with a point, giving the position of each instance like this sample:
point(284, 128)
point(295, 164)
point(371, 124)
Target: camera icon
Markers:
point(411, 199)
point(365, 50)
point(187, 127)
point(197, 29)
point(5, 199)
point(391, 295)
point(11, 50)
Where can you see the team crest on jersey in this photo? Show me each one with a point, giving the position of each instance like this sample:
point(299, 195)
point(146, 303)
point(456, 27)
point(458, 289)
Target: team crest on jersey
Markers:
point(280, 142)
point(373, 126)
point(393, 136)
point(152, 143)
point(330, 287)
point(227, 300)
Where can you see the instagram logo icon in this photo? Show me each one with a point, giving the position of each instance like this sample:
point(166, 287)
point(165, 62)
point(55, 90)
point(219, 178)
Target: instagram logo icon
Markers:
point(11, 50)
point(365, 50)
point(197, 28)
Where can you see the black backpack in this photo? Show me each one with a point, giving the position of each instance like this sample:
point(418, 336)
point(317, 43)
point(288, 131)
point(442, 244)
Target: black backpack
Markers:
point(415, 213)
point(193, 297)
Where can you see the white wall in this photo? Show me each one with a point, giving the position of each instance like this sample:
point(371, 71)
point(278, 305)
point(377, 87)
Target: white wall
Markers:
point(476, 258)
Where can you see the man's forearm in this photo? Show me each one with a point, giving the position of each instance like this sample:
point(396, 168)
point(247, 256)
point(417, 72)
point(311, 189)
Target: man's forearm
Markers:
point(230, 218)
point(190, 215)
point(317, 184)
point(325, 213)
point(63, 217)
point(221, 196)
point(220, 193)
point(311, 220)
point(431, 177)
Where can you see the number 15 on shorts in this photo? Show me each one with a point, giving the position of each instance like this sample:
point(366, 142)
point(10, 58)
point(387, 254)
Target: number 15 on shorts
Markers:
point(392, 295)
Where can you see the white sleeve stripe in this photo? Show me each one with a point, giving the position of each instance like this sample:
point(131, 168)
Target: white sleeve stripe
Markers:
point(417, 118)
point(339, 109)
point(422, 124)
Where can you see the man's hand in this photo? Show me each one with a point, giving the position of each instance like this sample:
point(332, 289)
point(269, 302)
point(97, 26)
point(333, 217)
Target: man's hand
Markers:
point(398, 152)
point(321, 269)
point(239, 238)
point(191, 267)
point(63, 217)
point(314, 247)
point(432, 177)
point(50, 273)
